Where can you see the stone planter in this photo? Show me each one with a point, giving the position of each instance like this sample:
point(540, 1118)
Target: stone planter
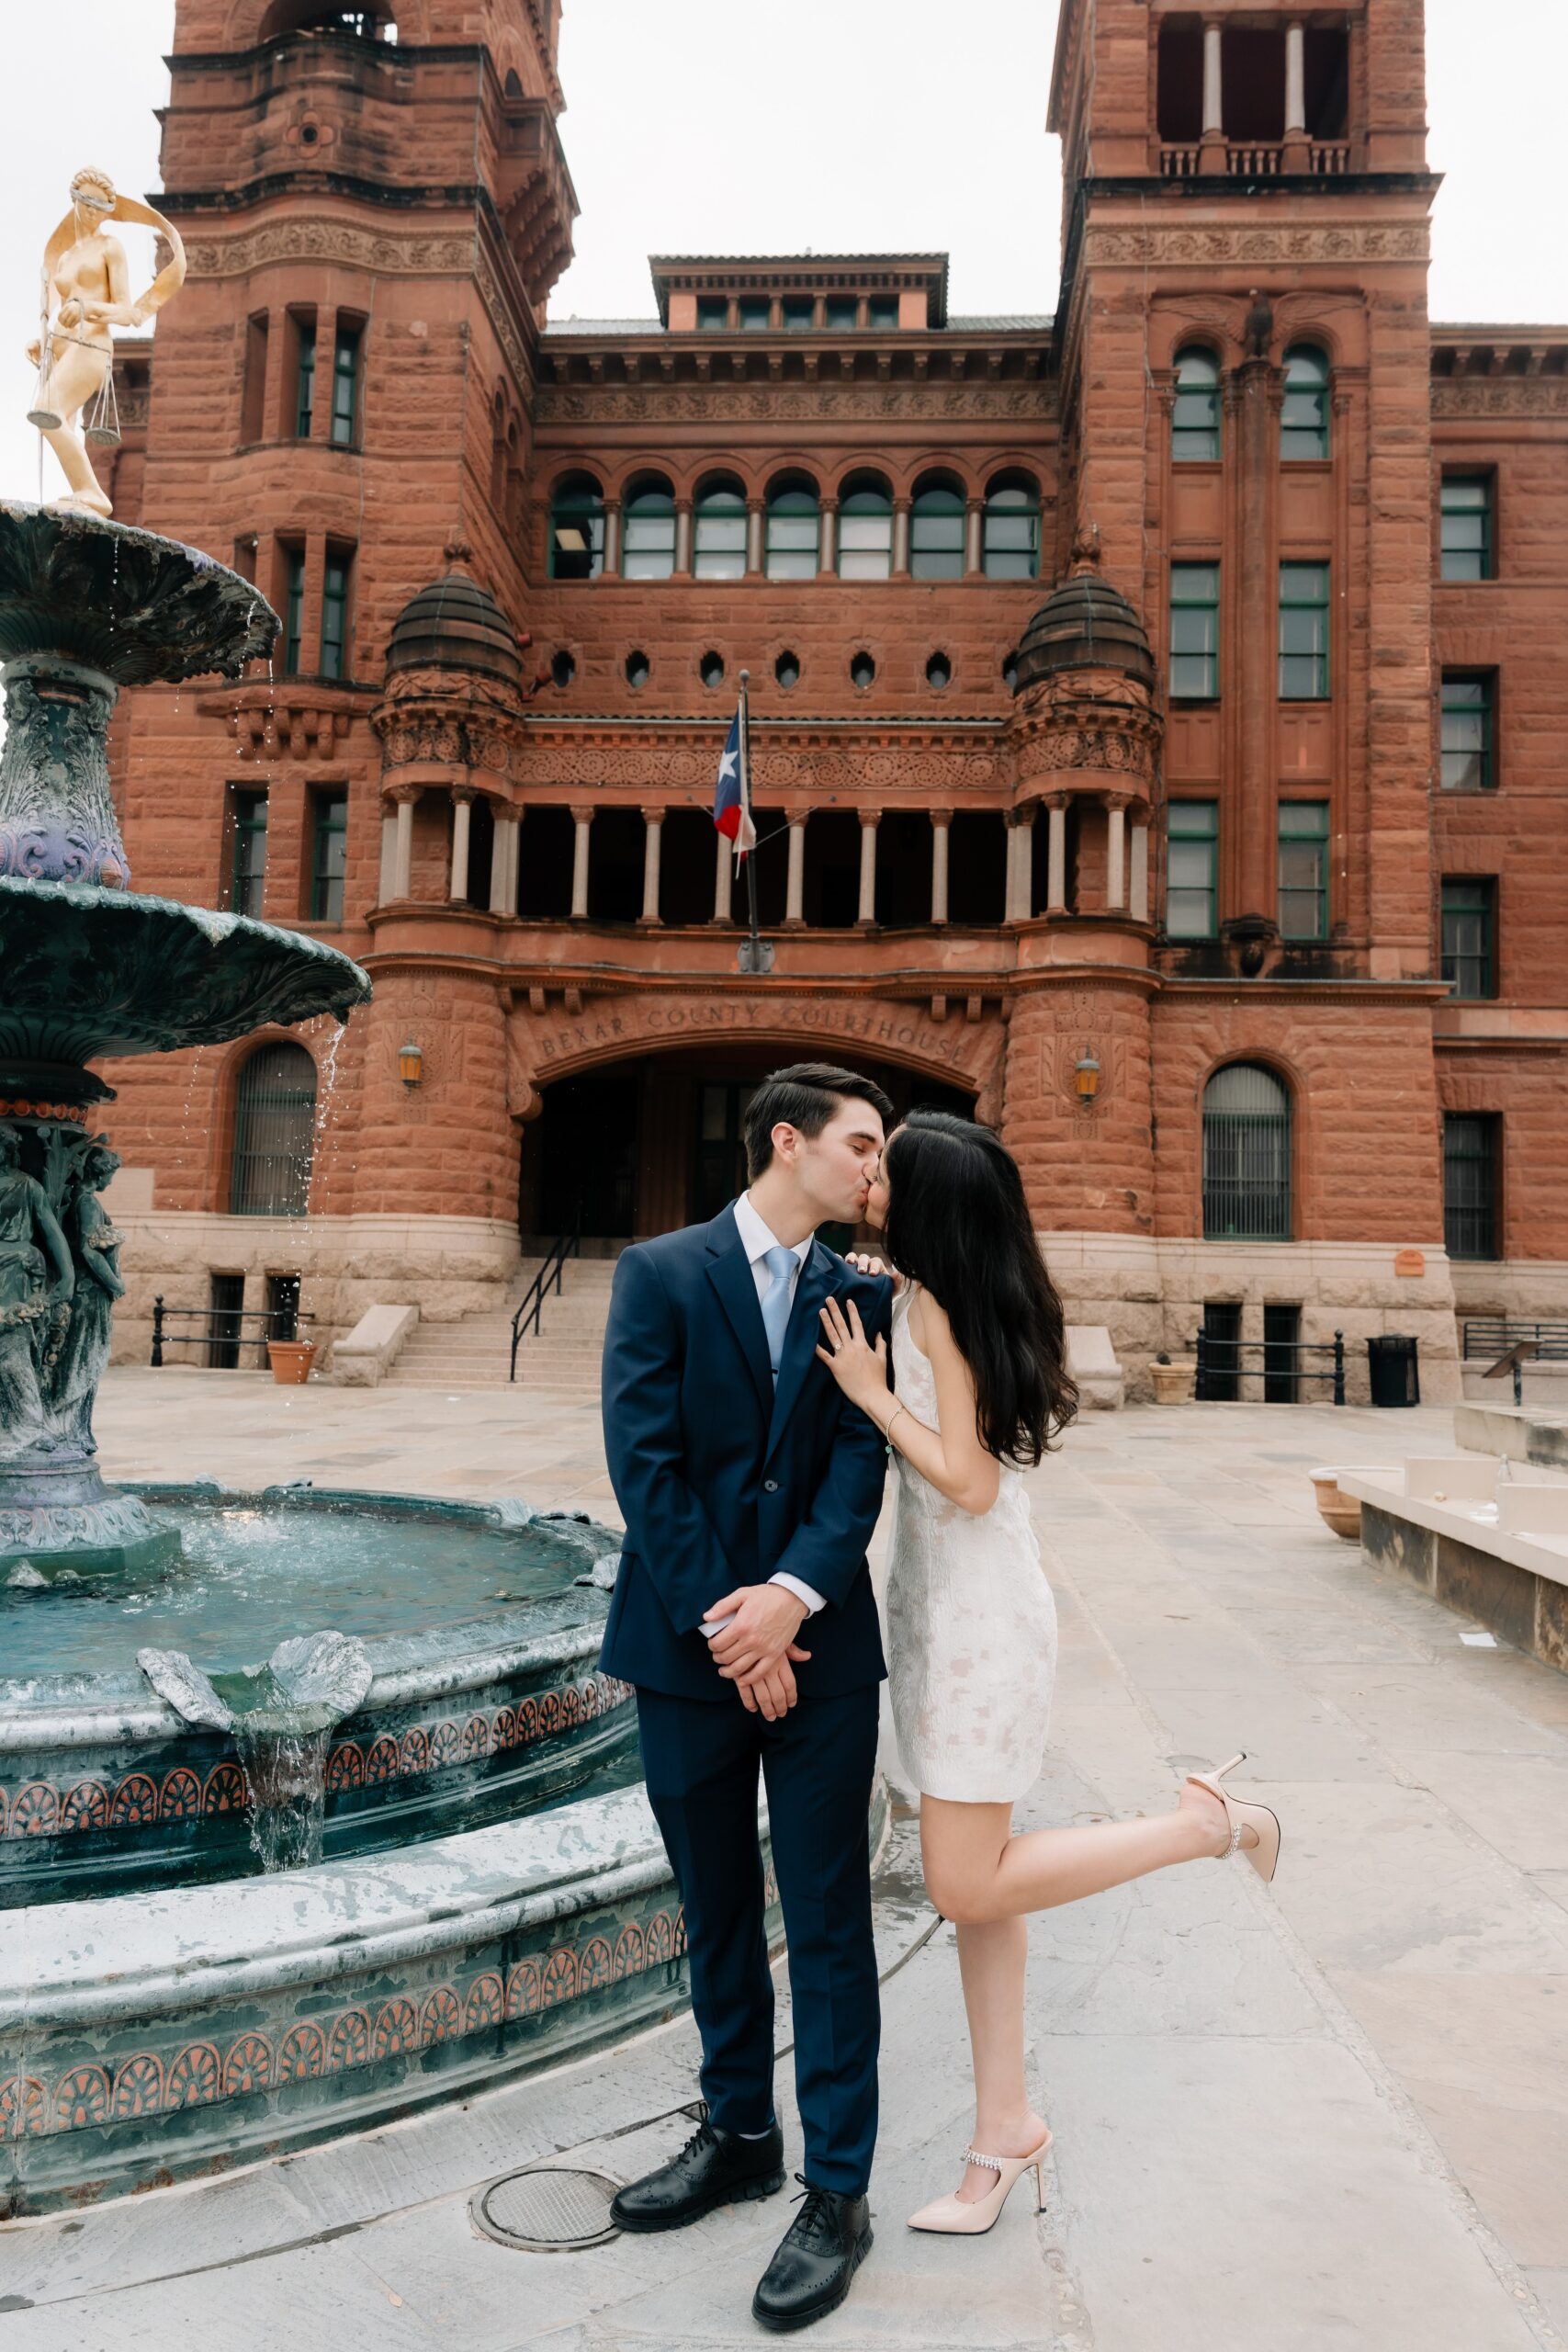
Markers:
point(1173, 1382)
point(1341, 1512)
point(292, 1360)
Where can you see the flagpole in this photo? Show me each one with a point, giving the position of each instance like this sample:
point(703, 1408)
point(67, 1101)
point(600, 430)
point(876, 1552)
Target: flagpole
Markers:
point(756, 955)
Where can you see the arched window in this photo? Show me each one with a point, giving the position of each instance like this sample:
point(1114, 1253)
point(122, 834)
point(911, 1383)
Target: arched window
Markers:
point(1247, 1156)
point(274, 1125)
point(719, 552)
point(795, 523)
point(866, 529)
point(1304, 418)
point(1195, 419)
point(936, 531)
point(648, 529)
point(577, 529)
point(1010, 538)
point(373, 23)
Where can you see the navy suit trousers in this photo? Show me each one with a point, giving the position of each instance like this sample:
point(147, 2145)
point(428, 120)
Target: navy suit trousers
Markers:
point(701, 1760)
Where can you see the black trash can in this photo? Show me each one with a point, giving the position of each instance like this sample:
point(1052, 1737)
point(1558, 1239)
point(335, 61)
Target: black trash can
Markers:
point(1393, 1369)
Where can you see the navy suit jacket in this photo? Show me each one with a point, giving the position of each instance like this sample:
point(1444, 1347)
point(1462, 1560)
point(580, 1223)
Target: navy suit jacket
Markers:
point(721, 1480)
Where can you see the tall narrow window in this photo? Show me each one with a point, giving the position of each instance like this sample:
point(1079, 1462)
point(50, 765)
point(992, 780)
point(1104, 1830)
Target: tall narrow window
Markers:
point(1194, 632)
point(304, 375)
point(293, 609)
point(1247, 1156)
point(329, 843)
point(336, 583)
point(1465, 527)
point(1469, 715)
point(1471, 1152)
point(275, 1122)
point(1304, 869)
point(1303, 632)
point(936, 532)
point(577, 529)
point(1192, 891)
point(794, 518)
point(719, 550)
point(252, 402)
point(1470, 933)
point(247, 861)
point(865, 532)
point(1009, 541)
point(346, 386)
point(648, 532)
point(1195, 418)
point(1303, 416)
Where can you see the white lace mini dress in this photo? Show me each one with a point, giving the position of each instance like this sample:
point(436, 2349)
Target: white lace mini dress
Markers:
point(971, 1622)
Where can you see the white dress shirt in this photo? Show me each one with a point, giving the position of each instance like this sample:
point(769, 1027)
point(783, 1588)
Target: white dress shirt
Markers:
point(757, 1241)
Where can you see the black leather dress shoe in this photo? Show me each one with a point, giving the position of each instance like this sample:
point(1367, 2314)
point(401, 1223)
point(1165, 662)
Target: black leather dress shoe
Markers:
point(714, 2167)
point(817, 2256)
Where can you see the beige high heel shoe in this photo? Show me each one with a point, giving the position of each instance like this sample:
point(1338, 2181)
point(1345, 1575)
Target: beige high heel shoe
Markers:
point(951, 2217)
point(1265, 1826)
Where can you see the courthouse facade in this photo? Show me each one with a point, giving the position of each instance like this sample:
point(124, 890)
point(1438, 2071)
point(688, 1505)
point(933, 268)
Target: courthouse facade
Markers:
point(1155, 707)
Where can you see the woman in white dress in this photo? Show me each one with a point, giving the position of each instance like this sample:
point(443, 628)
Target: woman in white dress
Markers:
point(979, 1359)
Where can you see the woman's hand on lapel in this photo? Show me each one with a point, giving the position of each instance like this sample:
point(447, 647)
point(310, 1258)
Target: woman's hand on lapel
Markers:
point(860, 1369)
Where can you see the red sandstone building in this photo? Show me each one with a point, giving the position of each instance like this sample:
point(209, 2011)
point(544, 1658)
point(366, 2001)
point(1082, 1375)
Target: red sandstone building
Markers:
point(1153, 706)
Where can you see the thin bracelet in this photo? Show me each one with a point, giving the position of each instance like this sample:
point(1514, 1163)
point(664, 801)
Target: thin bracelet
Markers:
point(888, 1432)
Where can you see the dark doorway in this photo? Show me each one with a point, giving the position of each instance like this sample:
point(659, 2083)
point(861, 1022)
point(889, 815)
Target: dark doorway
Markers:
point(1219, 1382)
point(226, 1299)
point(720, 1172)
point(546, 843)
point(616, 842)
point(588, 1139)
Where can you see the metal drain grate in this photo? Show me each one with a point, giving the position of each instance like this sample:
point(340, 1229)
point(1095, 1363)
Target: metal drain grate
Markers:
point(546, 2211)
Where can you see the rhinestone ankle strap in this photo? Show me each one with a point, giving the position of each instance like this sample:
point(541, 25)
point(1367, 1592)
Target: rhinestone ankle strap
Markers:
point(988, 2163)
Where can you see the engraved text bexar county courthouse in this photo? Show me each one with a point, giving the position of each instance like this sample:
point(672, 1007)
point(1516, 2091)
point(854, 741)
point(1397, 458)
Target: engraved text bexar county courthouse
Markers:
point(1156, 709)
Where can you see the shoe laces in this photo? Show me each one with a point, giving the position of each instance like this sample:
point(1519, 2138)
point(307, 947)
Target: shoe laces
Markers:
point(703, 2137)
point(815, 2217)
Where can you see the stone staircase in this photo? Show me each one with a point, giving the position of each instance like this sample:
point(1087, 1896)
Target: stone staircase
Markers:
point(561, 1359)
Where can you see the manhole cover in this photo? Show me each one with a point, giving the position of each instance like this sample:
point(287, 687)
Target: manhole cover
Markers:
point(547, 2212)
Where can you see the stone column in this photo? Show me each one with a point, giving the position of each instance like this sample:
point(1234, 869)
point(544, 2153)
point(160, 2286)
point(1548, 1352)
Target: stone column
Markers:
point(1056, 856)
point(682, 539)
point(1252, 692)
point(1116, 853)
point(1297, 153)
point(795, 889)
point(753, 538)
point(504, 863)
point(653, 831)
point(900, 538)
point(974, 539)
point(828, 556)
point(583, 819)
point(388, 849)
point(941, 821)
point(405, 795)
point(1020, 843)
point(1213, 157)
point(612, 539)
point(1138, 895)
point(868, 823)
point(723, 879)
point(462, 809)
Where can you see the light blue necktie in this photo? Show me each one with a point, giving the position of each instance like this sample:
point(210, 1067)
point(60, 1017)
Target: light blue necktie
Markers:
point(781, 1263)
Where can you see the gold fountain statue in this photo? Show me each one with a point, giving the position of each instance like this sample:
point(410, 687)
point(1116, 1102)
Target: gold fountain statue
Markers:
point(86, 287)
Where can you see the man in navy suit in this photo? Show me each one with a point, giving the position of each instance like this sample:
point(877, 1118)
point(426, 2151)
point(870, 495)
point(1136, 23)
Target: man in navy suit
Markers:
point(744, 1614)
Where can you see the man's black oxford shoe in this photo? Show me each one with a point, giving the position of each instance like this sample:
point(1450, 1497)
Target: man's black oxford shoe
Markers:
point(817, 2256)
point(714, 2167)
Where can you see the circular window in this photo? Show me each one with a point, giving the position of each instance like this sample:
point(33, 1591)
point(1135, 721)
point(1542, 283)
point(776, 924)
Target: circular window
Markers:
point(863, 670)
point(939, 672)
point(712, 669)
point(563, 669)
point(1010, 673)
point(786, 670)
point(637, 669)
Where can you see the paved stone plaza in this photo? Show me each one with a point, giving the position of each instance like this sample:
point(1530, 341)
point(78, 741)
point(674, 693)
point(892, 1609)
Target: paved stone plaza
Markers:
point(1333, 2115)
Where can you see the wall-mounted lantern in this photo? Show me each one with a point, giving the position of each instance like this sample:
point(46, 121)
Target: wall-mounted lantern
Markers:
point(1086, 1075)
point(411, 1065)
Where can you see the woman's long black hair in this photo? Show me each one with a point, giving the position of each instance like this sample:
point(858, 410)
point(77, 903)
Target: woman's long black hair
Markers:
point(958, 1224)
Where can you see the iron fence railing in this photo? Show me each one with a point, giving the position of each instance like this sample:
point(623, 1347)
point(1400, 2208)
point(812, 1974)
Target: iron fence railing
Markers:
point(1221, 1370)
point(221, 1329)
point(548, 1278)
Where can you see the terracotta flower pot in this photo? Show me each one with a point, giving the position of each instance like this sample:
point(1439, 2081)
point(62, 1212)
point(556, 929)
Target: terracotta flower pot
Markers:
point(1341, 1512)
point(292, 1360)
point(1173, 1382)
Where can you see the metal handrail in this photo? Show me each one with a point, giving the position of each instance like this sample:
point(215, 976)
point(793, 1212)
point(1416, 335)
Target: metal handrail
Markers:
point(1223, 1356)
point(548, 1278)
point(222, 1324)
point(1489, 1335)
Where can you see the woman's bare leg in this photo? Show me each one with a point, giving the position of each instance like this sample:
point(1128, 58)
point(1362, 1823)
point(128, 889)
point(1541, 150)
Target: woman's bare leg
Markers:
point(992, 1955)
point(977, 1871)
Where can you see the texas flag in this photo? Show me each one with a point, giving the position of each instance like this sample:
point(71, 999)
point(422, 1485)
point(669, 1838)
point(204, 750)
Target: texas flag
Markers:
point(730, 813)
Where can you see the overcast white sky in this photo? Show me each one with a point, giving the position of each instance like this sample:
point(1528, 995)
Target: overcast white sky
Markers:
point(702, 126)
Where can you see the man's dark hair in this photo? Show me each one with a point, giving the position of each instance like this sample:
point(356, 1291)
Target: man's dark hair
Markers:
point(806, 1095)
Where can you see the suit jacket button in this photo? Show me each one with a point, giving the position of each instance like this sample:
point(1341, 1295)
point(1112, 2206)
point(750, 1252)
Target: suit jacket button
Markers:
point(769, 1486)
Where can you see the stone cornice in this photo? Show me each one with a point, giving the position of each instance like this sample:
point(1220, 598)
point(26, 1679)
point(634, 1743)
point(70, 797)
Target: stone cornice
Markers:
point(823, 399)
point(330, 236)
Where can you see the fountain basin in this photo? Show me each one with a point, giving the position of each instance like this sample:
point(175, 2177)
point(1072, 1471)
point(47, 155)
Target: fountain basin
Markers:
point(485, 1697)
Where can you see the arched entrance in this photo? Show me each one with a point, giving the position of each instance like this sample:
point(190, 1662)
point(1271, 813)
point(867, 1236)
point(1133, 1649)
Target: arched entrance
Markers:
point(645, 1144)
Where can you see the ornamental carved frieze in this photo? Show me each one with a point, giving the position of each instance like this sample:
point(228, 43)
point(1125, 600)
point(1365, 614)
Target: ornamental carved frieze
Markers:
point(921, 774)
point(1500, 396)
point(1162, 246)
point(302, 238)
point(1060, 729)
point(862, 404)
point(439, 717)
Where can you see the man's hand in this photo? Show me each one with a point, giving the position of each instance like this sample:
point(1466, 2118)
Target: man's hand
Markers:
point(765, 1619)
point(771, 1691)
